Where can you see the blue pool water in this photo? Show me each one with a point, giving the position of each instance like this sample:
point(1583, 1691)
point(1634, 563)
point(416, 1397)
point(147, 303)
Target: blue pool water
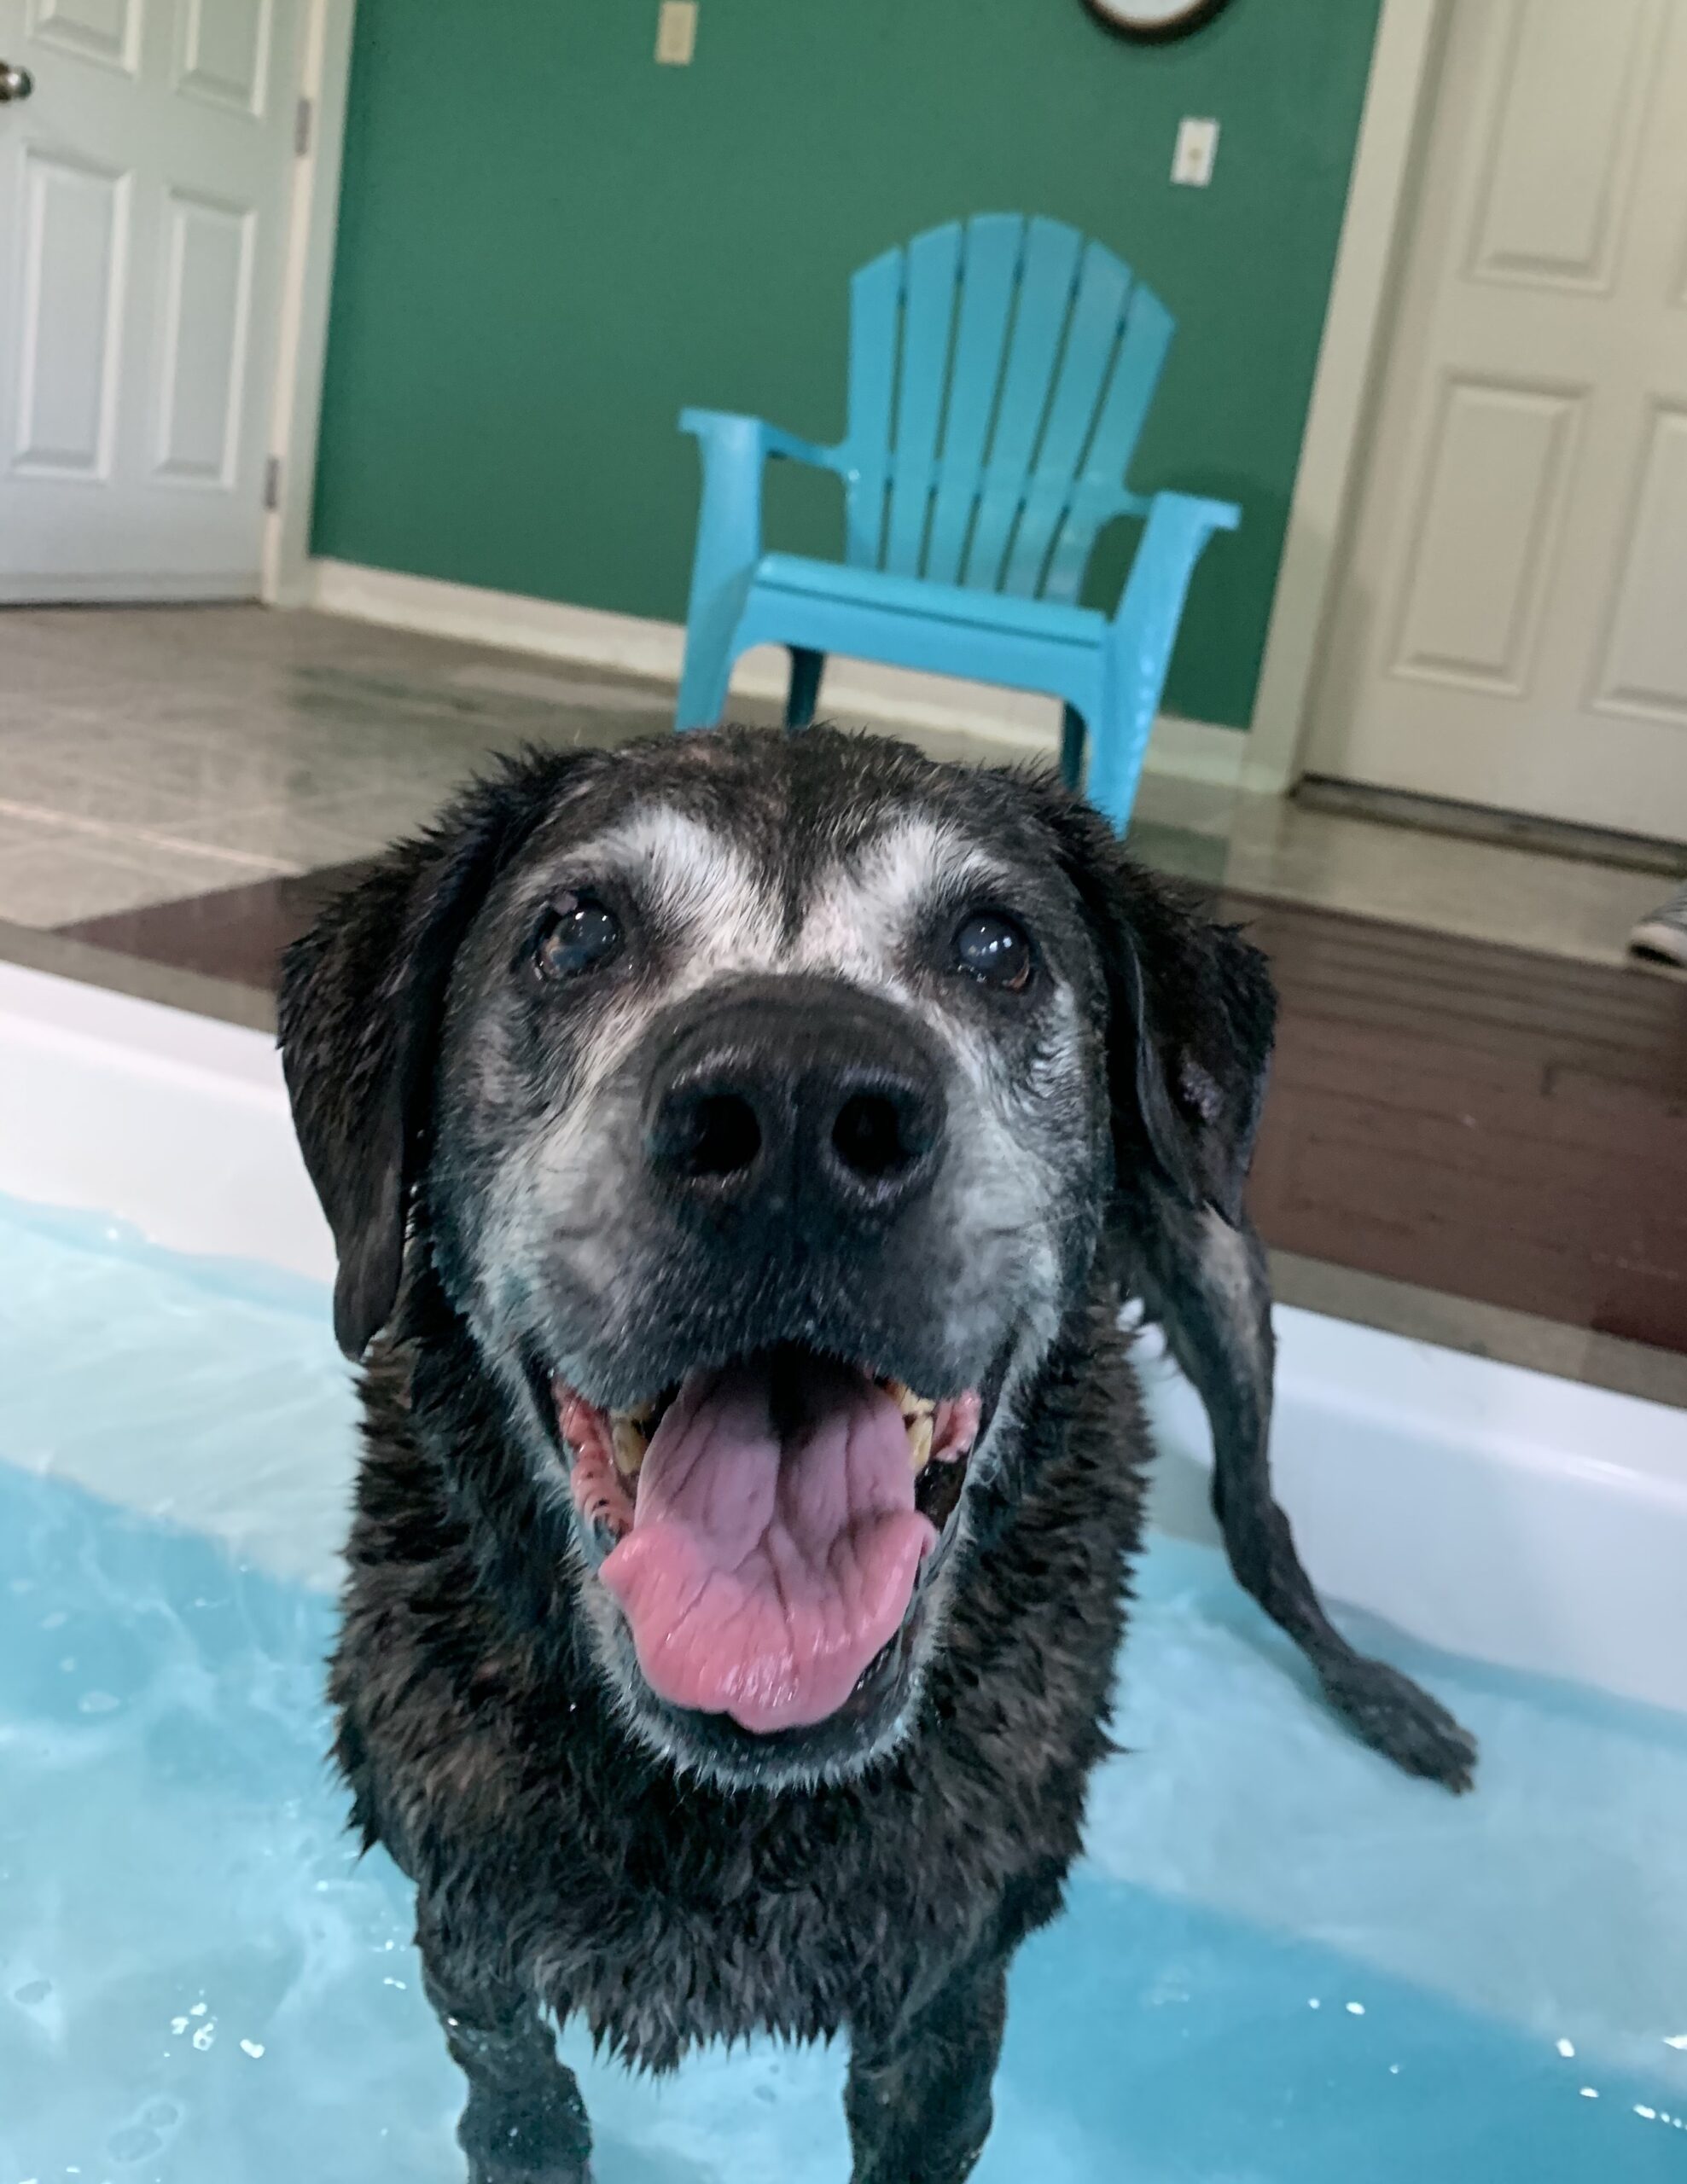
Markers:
point(1283, 1964)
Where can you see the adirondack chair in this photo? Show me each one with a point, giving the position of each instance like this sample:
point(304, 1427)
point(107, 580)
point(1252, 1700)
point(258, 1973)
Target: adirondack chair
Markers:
point(999, 374)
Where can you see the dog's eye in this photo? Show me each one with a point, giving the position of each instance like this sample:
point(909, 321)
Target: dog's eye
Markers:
point(994, 950)
point(579, 934)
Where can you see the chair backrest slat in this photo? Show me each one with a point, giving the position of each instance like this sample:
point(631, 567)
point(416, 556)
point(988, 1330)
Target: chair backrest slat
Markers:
point(927, 317)
point(1100, 492)
point(990, 263)
point(1092, 337)
point(1047, 271)
point(875, 314)
point(1000, 373)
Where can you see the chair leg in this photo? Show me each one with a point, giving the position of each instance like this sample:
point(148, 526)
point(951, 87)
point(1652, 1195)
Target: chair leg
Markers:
point(706, 675)
point(1071, 748)
point(804, 693)
point(1122, 731)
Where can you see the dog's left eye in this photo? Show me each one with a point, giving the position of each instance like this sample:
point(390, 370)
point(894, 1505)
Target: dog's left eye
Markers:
point(994, 950)
point(579, 933)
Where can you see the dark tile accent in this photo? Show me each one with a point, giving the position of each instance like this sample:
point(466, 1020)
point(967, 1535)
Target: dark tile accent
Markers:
point(1471, 1119)
point(236, 933)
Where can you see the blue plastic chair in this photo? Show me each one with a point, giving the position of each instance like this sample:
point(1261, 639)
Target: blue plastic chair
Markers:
point(999, 374)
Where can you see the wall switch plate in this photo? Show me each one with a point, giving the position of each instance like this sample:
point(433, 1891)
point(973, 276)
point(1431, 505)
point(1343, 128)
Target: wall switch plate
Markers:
point(1197, 149)
point(676, 32)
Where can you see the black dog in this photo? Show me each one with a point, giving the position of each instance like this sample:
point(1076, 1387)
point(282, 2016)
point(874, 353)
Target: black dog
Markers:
point(742, 1147)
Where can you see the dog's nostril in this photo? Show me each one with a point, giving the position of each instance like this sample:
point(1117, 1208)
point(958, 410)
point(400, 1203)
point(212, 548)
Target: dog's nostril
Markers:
point(869, 1138)
point(723, 1138)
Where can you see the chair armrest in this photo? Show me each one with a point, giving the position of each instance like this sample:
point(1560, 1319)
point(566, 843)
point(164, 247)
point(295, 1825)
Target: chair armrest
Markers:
point(753, 437)
point(735, 452)
point(1178, 528)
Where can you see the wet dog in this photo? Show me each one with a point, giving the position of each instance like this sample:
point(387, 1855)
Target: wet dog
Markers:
point(739, 1149)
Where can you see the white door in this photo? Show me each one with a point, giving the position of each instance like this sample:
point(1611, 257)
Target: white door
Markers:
point(1511, 626)
point(144, 186)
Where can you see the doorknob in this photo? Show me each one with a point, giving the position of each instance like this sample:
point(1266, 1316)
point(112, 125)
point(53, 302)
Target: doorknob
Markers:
point(15, 83)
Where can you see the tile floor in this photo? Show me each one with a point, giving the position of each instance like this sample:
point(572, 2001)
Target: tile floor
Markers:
point(147, 755)
point(153, 753)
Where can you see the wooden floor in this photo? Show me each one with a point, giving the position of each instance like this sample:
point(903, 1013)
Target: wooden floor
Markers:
point(1495, 1124)
point(1474, 1119)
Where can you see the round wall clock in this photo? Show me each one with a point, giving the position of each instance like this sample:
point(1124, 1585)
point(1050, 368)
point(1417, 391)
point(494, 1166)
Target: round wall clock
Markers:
point(1154, 18)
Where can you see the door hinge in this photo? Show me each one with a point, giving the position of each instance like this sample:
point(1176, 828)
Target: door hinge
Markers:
point(272, 483)
point(302, 116)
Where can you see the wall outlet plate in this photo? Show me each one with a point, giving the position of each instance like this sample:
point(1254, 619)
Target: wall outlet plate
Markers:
point(1197, 149)
point(676, 32)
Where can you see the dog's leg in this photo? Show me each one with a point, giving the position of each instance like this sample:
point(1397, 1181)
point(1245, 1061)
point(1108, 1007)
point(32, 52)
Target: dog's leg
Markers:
point(1208, 1285)
point(525, 2123)
point(918, 2102)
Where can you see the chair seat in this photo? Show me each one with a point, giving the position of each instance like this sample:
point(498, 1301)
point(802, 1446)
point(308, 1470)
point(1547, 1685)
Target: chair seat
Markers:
point(925, 602)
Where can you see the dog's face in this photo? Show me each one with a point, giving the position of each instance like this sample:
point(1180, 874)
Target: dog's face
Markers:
point(764, 1097)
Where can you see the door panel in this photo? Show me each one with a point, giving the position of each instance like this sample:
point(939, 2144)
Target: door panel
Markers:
point(1645, 665)
point(226, 48)
point(1576, 81)
point(109, 31)
point(1511, 624)
point(144, 190)
point(205, 339)
point(69, 329)
point(1484, 545)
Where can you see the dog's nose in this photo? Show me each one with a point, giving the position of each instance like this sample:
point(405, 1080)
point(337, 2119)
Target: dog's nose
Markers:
point(800, 1106)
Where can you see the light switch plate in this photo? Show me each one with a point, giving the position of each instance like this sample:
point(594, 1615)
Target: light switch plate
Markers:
point(1197, 149)
point(676, 32)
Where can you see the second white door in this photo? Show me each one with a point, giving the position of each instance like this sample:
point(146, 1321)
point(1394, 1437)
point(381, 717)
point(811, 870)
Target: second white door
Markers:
point(145, 184)
point(1511, 625)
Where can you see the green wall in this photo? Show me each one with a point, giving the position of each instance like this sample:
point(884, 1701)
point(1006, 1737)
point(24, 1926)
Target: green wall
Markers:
point(548, 244)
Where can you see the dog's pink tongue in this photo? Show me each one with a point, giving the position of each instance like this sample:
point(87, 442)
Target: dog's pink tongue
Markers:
point(775, 1541)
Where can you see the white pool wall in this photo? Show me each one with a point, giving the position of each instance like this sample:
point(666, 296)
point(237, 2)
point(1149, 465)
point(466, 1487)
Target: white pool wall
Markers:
point(1528, 1522)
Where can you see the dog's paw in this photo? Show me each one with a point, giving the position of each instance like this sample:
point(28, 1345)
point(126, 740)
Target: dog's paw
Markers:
point(1402, 1721)
point(544, 2142)
point(502, 2172)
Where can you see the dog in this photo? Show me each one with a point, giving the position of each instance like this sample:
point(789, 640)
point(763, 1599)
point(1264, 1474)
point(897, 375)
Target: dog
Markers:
point(739, 1149)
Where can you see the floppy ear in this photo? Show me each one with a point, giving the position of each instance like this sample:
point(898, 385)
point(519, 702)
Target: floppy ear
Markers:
point(361, 1000)
point(1191, 1016)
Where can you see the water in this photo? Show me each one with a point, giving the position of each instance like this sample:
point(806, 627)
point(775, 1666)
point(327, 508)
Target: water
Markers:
point(1283, 1964)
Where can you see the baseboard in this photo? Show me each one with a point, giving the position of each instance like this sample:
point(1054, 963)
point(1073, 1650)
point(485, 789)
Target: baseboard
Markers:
point(1022, 723)
point(154, 590)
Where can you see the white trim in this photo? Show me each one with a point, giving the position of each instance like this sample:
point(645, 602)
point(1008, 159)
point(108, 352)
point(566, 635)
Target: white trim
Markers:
point(1021, 723)
point(325, 66)
point(1398, 98)
point(125, 590)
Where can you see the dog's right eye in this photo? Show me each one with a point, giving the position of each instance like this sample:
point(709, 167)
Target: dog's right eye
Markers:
point(579, 934)
point(994, 951)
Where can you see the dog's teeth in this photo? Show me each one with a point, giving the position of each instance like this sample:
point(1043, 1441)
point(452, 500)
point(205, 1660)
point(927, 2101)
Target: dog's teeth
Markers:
point(919, 1440)
point(910, 1404)
point(642, 1414)
point(629, 1440)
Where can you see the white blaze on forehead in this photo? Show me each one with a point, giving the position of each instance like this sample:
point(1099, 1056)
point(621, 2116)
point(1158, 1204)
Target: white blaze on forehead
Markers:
point(724, 912)
point(865, 905)
point(689, 877)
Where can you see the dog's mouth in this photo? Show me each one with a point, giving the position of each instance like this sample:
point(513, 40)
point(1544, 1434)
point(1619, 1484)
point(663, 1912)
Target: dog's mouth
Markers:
point(766, 1526)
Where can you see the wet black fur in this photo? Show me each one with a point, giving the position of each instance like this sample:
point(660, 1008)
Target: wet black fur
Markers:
point(559, 1864)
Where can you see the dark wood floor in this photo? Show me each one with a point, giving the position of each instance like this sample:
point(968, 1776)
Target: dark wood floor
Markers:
point(1499, 1125)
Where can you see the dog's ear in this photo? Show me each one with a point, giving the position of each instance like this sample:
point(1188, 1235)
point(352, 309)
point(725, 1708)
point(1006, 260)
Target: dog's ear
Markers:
point(361, 1000)
point(1190, 1015)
